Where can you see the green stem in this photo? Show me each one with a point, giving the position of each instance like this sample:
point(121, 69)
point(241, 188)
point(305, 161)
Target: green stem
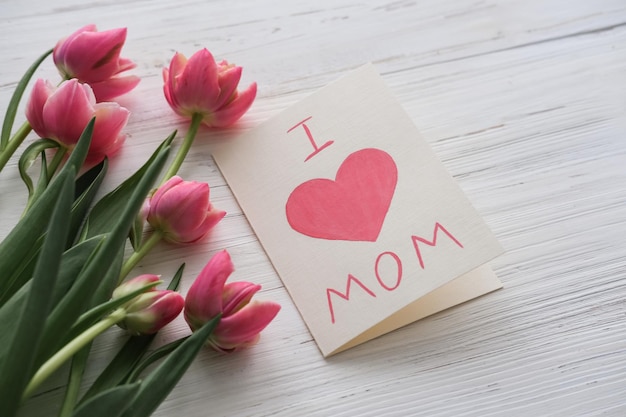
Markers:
point(79, 362)
point(67, 351)
point(130, 263)
point(56, 161)
point(14, 143)
point(196, 120)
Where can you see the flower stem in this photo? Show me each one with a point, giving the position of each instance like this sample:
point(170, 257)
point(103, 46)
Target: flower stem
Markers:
point(14, 143)
point(77, 369)
point(196, 120)
point(67, 351)
point(130, 263)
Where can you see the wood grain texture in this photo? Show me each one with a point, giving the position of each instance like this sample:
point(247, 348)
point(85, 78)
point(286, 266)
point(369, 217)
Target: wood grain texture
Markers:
point(525, 104)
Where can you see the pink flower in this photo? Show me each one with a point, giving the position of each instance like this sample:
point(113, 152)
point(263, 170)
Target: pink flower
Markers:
point(150, 311)
point(181, 210)
point(94, 58)
point(62, 114)
point(200, 85)
point(242, 320)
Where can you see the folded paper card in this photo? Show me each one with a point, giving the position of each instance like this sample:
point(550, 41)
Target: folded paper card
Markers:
point(362, 222)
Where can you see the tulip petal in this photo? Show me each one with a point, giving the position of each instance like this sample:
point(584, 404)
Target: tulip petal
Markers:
point(212, 218)
point(67, 112)
point(185, 194)
point(236, 295)
point(230, 113)
point(204, 299)
point(169, 305)
point(172, 182)
point(96, 156)
point(42, 90)
point(109, 89)
point(228, 80)
point(152, 310)
point(245, 324)
point(93, 56)
point(166, 88)
point(60, 51)
point(196, 88)
point(184, 208)
point(110, 120)
point(177, 65)
point(170, 77)
point(125, 64)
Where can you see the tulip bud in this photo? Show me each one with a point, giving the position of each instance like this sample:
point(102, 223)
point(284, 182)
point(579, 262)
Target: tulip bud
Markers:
point(150, 311)
point(242, 319)
point(182, 211)
point(202, 86)
point(93, 57)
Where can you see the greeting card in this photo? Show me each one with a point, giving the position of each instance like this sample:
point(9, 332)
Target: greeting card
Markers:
point(362, 222)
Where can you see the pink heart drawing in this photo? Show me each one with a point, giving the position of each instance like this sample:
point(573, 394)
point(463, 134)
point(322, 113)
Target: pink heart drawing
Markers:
point(353, 206)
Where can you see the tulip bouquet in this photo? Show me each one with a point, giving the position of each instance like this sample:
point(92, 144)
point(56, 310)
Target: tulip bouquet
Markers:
point(63, 269)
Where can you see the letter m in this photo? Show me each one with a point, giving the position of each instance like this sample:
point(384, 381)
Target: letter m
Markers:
point(417, 240)
point(346, 296)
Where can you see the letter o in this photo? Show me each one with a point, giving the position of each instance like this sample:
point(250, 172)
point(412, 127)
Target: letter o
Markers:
point(398, 268)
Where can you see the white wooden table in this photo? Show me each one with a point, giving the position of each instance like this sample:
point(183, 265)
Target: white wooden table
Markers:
point(524, 102)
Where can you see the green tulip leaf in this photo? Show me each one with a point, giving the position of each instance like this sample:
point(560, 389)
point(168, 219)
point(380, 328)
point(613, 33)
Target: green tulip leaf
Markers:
point(8, 323)
point(175, 282)
point(9, 117)
point(87, 185)
point(100, 273)
point(17, 366)
point(129, 356)
point(136, 232)
point(118, 369)
point(71, 264)
point(25, 265)
point(20, 247)
point(28, 158)
point(162, 380)
point(152, 357)
point(110, 403)
point(90, 317)
point(107, 211)
point(77, 370)
point(79, 153)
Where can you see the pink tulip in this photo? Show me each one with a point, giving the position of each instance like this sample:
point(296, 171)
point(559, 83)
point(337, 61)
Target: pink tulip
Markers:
point(62, 114)
point(181, 210)
point(242, 320)
point(94, 58)
point(200, 85)
point(150, 311)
